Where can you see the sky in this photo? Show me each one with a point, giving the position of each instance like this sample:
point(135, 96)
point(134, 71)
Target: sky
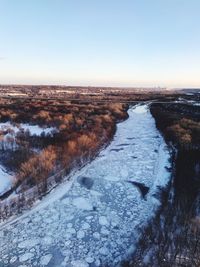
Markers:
point(100, 42)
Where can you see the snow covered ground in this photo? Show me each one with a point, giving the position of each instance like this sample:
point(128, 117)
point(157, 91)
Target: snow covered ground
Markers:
point(33, 129)
point(96, 220)
point(11, 130)
point(8, 140)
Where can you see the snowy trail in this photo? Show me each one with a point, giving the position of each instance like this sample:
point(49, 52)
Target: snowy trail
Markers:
point(96, 220)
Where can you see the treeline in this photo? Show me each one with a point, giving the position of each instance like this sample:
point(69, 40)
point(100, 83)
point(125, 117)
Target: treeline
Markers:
point(93, 94)
point(81, 130)
point(180, 123)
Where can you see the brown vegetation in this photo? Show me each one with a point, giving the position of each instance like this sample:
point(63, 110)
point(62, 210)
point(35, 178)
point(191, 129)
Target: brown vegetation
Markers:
point(81, 130)
point(180, 123)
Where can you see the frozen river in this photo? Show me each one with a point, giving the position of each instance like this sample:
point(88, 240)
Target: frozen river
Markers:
point(95, 219)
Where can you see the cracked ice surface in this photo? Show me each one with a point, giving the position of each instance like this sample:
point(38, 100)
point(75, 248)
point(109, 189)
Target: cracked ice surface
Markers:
point(80, 225)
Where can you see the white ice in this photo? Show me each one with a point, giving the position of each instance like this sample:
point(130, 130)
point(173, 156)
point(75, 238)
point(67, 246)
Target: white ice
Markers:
point(80, 227)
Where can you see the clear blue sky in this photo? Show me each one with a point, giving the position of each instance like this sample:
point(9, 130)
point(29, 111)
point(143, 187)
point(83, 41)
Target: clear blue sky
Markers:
point(100, 42)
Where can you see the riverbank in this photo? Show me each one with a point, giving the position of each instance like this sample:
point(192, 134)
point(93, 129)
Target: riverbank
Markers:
point(94, 221)
point(172, 237)
point(40, 139)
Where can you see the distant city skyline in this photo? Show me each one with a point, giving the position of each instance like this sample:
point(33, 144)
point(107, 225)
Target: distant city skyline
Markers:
point(130, 43)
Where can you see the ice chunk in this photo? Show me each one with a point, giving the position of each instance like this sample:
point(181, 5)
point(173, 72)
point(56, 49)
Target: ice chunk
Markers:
point(79, 263)
point(103, 220)
point(44, 260)
point(26, 256)
point(82, 203)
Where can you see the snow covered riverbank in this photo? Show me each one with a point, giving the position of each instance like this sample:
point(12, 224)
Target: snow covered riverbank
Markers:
point(97, 219)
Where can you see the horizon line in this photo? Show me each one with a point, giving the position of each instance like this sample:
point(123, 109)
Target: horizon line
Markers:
point(102, 86)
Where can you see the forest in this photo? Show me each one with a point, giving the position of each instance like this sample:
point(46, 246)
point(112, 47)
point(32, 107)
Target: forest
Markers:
point(65, 135)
